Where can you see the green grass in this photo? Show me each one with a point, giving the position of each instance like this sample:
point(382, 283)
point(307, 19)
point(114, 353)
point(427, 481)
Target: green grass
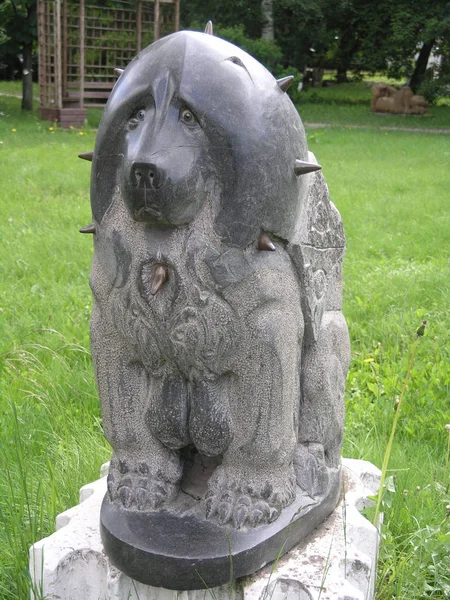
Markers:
point(392, 189)
point(396, 212)
point(51, 441)
point(349, 104)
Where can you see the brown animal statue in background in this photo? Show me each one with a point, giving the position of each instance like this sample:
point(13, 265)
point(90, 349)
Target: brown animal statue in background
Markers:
point(388, 99)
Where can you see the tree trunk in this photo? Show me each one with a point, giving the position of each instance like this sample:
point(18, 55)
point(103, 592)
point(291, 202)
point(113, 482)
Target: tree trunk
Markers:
point(421, 66)
point(27, 66)
point(267, 32)
point(27, 77)
point(341, 74)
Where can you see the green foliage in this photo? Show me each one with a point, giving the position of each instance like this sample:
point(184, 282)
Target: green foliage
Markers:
point(434, 88)
point(18, 25)
point(227, 13)
point(299, 27)
point(411, 24)
point(347, 35)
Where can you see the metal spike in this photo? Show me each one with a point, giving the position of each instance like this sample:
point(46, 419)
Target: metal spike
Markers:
point(118, 72)
point(159, 277)
point(265, 243)
point(88, 229)
point(285, 82)
point(209, 28)
point(87, 156)
point(302, 167)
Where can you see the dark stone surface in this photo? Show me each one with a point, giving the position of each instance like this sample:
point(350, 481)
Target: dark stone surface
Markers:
point(218, 341)
point(178, 549)
point(243, 139)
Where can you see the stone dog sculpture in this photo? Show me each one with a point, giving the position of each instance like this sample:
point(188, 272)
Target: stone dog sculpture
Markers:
point(219, 346)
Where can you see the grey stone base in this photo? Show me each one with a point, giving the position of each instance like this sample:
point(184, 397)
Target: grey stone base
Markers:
point(336, 562)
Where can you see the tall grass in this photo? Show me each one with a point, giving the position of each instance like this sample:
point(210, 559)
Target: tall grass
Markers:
point(396, 210)
point(393, 192)
point(51, 441)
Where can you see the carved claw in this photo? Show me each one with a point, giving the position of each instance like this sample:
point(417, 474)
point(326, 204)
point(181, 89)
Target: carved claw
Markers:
point(88, 229)
point(159, 277)
point(224, 512)
point(86, 156)
point(210, 505)
point(274, 514)
point(240, 516)
point(302, 167)
point(209, 28)
point(141, 498)
point(311, 470)
point(256, 516)
point(126, 496)
point(155, 500)
point(264, 508)
point(241, 509)
point(265, 243)
point(110, 485)
point(285, 82)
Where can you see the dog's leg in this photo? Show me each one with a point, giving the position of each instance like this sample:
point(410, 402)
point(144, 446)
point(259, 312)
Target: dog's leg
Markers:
point(321, 424)
point(143, 473)
point(256, 479)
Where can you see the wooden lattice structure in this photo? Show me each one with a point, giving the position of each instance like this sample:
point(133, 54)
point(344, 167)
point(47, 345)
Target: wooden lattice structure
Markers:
point(82, 41)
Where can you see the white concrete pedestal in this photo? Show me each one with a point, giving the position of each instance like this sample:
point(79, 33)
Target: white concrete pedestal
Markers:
point(336, 562)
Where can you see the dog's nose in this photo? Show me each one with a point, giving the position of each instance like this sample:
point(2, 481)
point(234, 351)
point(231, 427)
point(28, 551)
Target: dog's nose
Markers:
point(147, 175)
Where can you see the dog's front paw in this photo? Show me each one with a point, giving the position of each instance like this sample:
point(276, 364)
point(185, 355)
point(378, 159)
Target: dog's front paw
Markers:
point(230, 500)
point(139, 487)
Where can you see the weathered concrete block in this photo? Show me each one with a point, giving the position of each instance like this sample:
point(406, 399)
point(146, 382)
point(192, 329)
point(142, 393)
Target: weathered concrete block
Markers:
point(336, 562)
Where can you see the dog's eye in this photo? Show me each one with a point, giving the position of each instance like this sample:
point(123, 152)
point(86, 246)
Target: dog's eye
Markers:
point(187, 116)
point(136, 120)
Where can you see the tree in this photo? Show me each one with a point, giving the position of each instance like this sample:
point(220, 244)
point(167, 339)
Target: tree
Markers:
point(396, 38)
point(300, 31)
point(267, 32)
point(227, 13)
point(19, 24)
point(410, 31)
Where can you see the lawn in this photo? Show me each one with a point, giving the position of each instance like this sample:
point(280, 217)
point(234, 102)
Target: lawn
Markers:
point(349, 104)
point(393, 191)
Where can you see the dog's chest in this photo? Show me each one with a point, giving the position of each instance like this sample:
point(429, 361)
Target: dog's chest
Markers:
point(172, 315)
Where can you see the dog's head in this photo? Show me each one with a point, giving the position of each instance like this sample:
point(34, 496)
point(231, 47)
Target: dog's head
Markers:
point(194, 118)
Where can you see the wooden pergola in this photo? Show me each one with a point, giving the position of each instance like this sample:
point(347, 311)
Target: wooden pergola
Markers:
point(82, 41)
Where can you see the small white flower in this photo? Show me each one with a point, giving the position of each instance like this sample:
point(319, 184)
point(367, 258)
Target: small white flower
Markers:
point(447, 427)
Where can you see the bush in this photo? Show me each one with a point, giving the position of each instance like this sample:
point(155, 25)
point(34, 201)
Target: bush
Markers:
point(433, 89)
